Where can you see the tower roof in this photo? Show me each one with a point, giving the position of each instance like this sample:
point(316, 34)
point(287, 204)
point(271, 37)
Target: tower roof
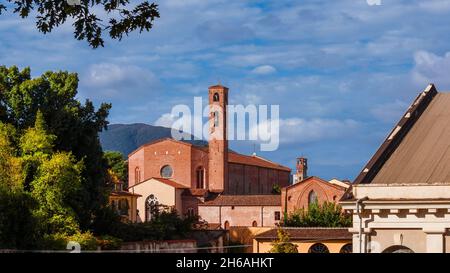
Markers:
point(217, 86)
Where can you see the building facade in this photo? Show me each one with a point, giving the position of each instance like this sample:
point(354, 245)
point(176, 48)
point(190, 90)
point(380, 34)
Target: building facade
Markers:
point(308, 240)
point(401, 199)
point(184, 176)
point(307, 190)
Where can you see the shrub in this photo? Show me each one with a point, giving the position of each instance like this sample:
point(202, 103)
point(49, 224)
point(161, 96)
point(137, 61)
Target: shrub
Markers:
point(326, 215)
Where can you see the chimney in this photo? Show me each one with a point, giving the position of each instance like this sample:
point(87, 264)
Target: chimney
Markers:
point(302, 168)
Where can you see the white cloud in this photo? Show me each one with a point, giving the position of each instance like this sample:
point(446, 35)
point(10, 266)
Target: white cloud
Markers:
point(389, 112)
point(431, 68)
point(165, 120)
point(299, 130)
point(119, 81)
point(264, 70)
point(435, 6)
point(307, 130)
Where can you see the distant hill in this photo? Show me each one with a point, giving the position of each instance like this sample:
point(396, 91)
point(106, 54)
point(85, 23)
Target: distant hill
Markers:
point(126, 138)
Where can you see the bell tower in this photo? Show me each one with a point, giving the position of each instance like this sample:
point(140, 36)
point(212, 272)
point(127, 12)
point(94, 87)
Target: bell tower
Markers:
point(302, 169)
point(218, 142)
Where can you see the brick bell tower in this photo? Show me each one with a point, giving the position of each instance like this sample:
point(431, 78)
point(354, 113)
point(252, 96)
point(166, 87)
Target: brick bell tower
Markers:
point(218, 142)
point(302, 169)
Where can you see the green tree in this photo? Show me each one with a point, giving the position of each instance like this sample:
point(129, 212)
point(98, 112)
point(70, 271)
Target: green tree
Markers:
point(74, 125)
point(56, 188)
point(276, 189)
point(117, 165)
point(121, 18)
point(283, 244)
point(329, 214)
point(18, 226)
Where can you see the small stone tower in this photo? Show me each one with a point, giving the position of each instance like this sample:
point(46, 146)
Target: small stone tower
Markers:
point(302, 168)
point(218, 142)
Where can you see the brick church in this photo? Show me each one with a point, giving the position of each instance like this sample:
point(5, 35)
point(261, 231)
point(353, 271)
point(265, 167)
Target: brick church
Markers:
point(224, 187)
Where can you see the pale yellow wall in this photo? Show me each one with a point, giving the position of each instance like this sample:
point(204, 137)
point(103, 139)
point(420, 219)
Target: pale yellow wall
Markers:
point(415, 239)
point(245, 235)
point(164, 193)
point(264, 246)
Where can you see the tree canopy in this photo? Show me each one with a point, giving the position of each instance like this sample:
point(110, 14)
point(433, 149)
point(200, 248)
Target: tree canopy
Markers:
point(121, 19)
point(48, 103)
point(328, 214)
point(283, 244)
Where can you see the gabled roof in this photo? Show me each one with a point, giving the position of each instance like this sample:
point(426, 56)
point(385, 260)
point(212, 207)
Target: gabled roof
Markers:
point(164, 181)
point(161, 140)
point(318, 179)
point(417, 151)
point(254, 160)
point(233, 157)
point(245, 200)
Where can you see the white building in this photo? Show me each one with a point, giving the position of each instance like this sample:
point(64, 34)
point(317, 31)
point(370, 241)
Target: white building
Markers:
point(401, 199)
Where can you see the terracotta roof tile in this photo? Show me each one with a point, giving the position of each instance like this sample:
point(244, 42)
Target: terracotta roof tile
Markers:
point(318, 233)
point(245, 200)
point(254, 160)
point(165, 181)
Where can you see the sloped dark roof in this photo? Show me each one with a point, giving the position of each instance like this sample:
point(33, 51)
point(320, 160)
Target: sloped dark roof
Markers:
point(255, 160)
point(245, 200)
point(417, 151)
point(165, 181)
point(317, 179)
point(313, 233)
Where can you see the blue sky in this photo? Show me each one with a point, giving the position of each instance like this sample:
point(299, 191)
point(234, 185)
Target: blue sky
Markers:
point(342, 71)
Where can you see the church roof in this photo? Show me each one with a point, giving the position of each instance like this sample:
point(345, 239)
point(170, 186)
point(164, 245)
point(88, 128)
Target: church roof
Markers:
point(417, 150)
point(164, 181)
point(233, 157)
point(254, 160)
point(318, 180)
point(245, 200)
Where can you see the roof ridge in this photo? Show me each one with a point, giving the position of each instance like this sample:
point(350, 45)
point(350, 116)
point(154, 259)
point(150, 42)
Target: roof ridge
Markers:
point(397, 134)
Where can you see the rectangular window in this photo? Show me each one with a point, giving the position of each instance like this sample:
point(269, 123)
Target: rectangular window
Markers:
point(277, 216)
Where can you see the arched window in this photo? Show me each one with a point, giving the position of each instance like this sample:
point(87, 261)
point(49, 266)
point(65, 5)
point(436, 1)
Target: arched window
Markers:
point(226, 225)
point(166, 171)
point(151, 207)
point(312, 198)
point(216, 118)
point(348, 248)
point(216, 97)
point(318, 248)
point(254, 224)
point(398, 249)
point(190, 212)
point(137, 175)
point(200, 177)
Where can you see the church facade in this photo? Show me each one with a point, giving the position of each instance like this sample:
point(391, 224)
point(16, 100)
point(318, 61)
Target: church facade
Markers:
point(184, 176)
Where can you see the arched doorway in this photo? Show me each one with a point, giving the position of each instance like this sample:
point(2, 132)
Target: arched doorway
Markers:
point(254, 224)
point(318, 248)
point(398, 249)
point(347, 248)
point(151, 207)
point(226, 225)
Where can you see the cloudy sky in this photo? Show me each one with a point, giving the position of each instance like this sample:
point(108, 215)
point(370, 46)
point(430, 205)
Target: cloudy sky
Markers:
point(342, 71)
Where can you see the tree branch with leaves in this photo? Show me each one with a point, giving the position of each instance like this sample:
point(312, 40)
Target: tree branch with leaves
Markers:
point(121, 19)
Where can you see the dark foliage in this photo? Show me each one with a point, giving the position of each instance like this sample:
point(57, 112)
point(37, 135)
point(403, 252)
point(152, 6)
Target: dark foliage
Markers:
point(87, 25)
